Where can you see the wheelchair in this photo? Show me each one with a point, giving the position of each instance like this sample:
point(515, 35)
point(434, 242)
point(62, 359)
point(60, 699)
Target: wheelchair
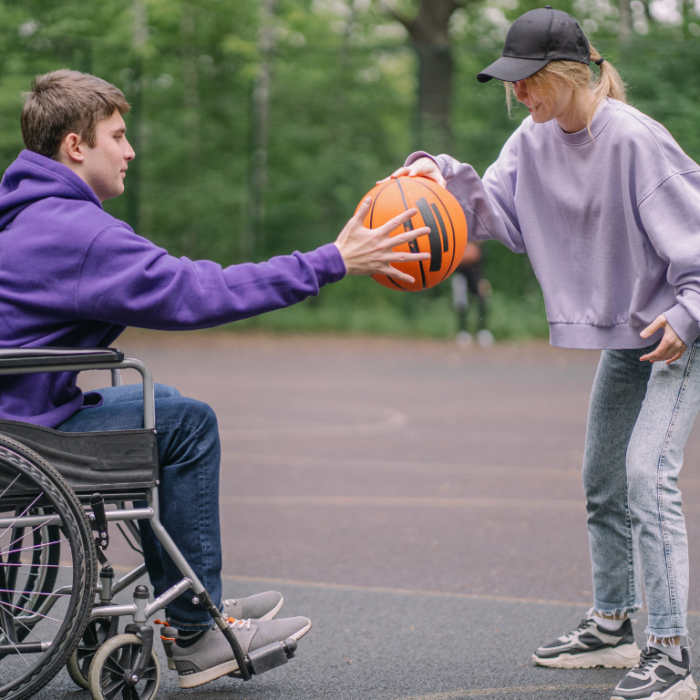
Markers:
point(59, 492)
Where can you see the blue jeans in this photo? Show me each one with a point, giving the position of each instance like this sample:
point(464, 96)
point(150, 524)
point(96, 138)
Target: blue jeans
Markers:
point(189, 453)
point(639, 420)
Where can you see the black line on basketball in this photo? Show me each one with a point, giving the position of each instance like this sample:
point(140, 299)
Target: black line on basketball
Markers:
point(412, 245)
point(434, 236)
point(374, 204)
point(452, 226)
point(443, 230)
point(393, 281)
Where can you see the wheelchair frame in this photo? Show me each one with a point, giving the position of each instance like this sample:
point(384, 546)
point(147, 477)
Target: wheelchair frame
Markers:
point(37, 360)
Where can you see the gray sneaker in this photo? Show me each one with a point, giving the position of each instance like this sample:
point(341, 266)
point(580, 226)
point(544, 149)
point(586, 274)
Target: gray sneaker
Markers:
point(261, 606)
point(211, 656)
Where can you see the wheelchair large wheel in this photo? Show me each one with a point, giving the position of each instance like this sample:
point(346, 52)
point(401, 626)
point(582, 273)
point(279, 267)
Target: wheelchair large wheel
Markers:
point(47, 571)
point(110, 669)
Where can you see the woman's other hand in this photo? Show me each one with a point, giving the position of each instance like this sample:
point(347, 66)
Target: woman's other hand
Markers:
point(423, 167)
point(671, 347)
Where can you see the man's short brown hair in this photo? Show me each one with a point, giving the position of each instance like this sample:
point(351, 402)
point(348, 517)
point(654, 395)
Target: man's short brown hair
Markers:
point(67, 102)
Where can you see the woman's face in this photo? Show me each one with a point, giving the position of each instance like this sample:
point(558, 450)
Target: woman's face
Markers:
point(540, 110)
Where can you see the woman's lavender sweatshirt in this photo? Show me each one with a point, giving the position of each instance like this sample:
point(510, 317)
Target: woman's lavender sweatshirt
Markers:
point(72, 275)
point(611, 224)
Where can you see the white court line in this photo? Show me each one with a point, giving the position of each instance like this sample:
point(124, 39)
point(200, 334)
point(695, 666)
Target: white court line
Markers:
point(413, 502)
point(402, 502)
point(401, 466)
point(387, 421)
point(483, 692)
point(272, 581)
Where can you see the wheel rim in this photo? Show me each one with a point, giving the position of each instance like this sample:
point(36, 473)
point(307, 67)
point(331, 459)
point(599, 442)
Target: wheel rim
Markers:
point(117, 665)
point(39, 622)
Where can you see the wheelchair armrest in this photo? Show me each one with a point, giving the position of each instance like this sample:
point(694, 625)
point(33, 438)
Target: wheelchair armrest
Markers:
point(48, 356)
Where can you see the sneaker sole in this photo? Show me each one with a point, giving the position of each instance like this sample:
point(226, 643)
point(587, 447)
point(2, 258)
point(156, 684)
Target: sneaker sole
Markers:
point(267, 616)
point(625, 656)
point(684, 690)
point(211, 674)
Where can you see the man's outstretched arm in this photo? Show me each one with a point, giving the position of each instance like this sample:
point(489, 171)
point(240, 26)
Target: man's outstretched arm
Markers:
point(127, 280)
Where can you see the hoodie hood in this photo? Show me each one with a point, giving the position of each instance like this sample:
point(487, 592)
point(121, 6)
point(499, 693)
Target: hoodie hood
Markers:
point(33, 177)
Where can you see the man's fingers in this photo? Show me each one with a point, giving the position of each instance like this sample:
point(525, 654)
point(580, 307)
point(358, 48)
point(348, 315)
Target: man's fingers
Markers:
point(402, 238)
point(362, 210)
point(397, 274)
point(397, 221)
point(408, 257)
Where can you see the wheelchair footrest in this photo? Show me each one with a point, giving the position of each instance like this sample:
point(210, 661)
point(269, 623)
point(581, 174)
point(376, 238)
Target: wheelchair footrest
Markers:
point(271, 656)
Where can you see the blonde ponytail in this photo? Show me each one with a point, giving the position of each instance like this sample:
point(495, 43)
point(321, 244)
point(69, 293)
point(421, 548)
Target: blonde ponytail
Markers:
point(578, 76)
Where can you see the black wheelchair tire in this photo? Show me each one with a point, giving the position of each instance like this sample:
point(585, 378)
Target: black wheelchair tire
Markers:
point(76, 530)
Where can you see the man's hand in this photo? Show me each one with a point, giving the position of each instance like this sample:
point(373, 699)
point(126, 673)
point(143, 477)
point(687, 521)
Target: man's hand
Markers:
point(423, 167)
point(671, 346)
point(369, 251)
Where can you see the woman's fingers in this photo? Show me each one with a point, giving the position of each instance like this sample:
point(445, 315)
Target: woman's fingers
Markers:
point(654, 326)
point(400, 172)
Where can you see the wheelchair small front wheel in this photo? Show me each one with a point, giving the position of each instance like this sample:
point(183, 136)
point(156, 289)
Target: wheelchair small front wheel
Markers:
point(111, 666)
point(97, 632)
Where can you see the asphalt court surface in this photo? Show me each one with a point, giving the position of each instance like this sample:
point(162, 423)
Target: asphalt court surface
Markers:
point(421, 504)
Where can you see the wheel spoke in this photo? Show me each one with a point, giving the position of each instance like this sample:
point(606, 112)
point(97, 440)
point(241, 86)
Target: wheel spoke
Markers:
point(19, 653)
point(27, 549)
point(9, 486)
point(112, 689)
point(113, 666)
point(22, 514)
point(33, 612)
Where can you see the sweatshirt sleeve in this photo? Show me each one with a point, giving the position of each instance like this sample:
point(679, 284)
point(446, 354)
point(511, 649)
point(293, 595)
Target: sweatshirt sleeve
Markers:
point(125, 279)
point(488, 204)
point(671, 218)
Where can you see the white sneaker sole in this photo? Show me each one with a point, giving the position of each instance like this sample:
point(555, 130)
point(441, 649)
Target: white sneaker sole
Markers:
point(211, 674)
point(624, 656)
point(685, 690)
point(267, 616)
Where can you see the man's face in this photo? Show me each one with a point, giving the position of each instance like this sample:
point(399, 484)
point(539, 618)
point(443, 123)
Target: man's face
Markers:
point(104, 166)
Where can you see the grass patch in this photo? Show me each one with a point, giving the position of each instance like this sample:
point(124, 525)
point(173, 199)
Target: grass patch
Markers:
point(355, 306)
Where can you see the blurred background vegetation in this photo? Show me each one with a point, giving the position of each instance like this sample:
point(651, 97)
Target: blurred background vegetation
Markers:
point(259, 124)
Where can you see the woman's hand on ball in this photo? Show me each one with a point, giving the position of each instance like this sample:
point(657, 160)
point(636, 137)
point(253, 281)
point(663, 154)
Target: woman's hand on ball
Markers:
point(423, 167)
point(369, 251)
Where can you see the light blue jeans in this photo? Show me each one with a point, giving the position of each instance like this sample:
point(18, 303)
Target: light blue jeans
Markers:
point(639, 420)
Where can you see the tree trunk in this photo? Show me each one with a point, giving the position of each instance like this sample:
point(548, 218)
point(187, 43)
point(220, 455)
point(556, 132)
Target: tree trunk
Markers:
point(190, 78)
point(253, 239)
point(136, 137)
point(625, 30)
point(429, 32)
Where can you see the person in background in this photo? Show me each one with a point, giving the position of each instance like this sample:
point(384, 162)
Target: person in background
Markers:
point(466, 280)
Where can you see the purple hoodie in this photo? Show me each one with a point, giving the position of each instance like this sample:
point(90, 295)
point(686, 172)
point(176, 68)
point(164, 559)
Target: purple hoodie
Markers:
point(72, 275)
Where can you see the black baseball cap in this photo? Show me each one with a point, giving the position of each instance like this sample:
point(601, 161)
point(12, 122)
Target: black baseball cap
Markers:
point(535, 39)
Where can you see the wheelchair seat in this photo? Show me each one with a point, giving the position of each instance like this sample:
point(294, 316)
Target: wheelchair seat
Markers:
point(119, 464)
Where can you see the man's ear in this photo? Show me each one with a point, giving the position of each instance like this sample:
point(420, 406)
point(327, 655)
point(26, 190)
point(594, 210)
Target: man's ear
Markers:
point(72, 148)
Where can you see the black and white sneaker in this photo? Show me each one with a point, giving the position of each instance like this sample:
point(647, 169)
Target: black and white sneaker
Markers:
point(658, 677)
point(590, 645)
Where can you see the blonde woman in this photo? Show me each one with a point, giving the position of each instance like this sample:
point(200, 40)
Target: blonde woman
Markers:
point(607, 206)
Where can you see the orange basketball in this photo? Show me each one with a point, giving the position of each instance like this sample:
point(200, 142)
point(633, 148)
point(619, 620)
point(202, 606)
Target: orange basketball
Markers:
point(439, 211)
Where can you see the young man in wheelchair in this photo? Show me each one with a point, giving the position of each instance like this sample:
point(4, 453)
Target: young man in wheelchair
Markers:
point(72, 275)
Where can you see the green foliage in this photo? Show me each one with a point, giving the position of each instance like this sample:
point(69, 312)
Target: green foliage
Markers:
point(342, 114)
